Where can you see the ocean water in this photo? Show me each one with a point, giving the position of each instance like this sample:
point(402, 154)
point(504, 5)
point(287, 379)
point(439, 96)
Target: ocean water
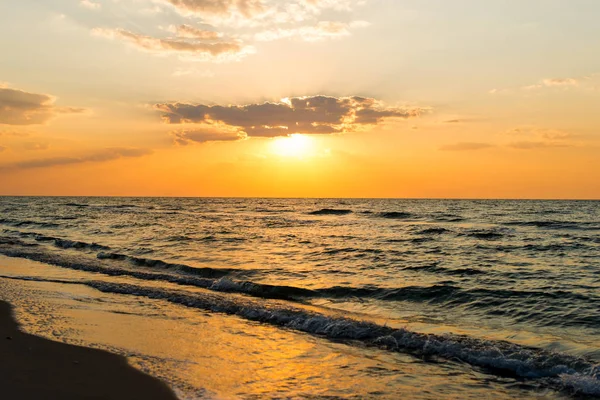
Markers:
point(328, 297)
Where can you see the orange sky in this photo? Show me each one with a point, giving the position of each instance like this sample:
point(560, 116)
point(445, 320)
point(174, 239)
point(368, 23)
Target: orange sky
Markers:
point(306, 98)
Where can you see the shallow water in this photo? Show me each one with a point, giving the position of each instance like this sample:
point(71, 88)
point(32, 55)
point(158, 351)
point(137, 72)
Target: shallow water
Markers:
point(515, 283)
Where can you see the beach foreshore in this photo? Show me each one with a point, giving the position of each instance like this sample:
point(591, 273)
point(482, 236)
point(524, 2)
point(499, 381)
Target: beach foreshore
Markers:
point(36, 368)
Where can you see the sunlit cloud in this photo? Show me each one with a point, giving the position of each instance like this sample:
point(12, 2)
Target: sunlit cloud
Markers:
point(254, 13)
point(105, 155)
point(205, 51)
point(308, 115)
point(190, 32)
point(18, 107)
point(2, 148)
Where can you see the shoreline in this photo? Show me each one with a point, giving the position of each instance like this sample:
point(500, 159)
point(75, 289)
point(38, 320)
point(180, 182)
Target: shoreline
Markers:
point(36, 368)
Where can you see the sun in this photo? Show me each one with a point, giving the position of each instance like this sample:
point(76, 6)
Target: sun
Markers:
point(295, 145)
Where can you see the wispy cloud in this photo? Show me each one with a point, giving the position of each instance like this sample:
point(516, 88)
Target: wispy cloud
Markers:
point(530, 145)
point(531, 137)
point(321, 31)
point(254, 13)
point(190, 32)
point(225, 30)
point(18, 107)
point(92, 5)
point(309, 115)
point(213, 50)
point(565, 83)
point(185, 137)
point(105, 155)
point(466, 146)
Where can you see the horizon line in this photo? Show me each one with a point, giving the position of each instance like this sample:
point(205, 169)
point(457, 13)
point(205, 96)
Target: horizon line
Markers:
point(311, 198)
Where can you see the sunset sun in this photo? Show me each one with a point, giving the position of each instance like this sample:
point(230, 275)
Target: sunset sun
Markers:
point(295, 145)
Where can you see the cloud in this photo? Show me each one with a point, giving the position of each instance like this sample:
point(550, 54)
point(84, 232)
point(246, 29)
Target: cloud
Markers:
point(532, 137)
point(466, 146)
point(90, 4)
point(539, 133)
point(186, 137)
point(584, 82)
point(235, 24)
point(308, 115)
point(101, 156)
point(247, 8)
point(321, 31)
point(211, 50)
point(190, 32)
point(18, 107)
point(560, 82)
point(14, 133)
point(564, 83)
point(36, 146)
point(531, 145)
point(2, 148)
point(258, 13)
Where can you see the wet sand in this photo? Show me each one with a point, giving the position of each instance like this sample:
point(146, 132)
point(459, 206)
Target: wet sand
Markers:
point(35, 368)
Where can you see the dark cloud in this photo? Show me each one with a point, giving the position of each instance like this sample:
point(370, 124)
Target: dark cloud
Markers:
point(101, 156)
point(466, 146)
point(18, 107)
point(308, 115)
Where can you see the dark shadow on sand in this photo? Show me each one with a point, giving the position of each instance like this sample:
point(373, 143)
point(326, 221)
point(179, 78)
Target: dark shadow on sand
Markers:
point(35, 368)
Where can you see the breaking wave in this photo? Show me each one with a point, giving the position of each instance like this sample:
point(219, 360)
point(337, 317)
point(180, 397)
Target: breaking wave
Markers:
point(555, 370)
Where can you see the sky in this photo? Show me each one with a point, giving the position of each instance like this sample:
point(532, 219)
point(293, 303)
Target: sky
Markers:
point(301, 98)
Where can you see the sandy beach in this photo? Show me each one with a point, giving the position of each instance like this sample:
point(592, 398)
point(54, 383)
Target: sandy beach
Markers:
point(37, 368)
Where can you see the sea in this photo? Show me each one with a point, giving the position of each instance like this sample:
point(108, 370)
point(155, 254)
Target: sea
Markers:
point(317, 298)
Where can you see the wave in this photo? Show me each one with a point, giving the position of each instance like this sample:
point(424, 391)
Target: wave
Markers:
point(564, 308)
point(331, 211)
point(28, 223)
point(76, 205)
point(484, 234)
point(448, 218)
point(554, 370)
point(433, 231)
point(59, 242)
point(205, 272)
point(553, 224)
point(435, 268)
point(395, 215)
